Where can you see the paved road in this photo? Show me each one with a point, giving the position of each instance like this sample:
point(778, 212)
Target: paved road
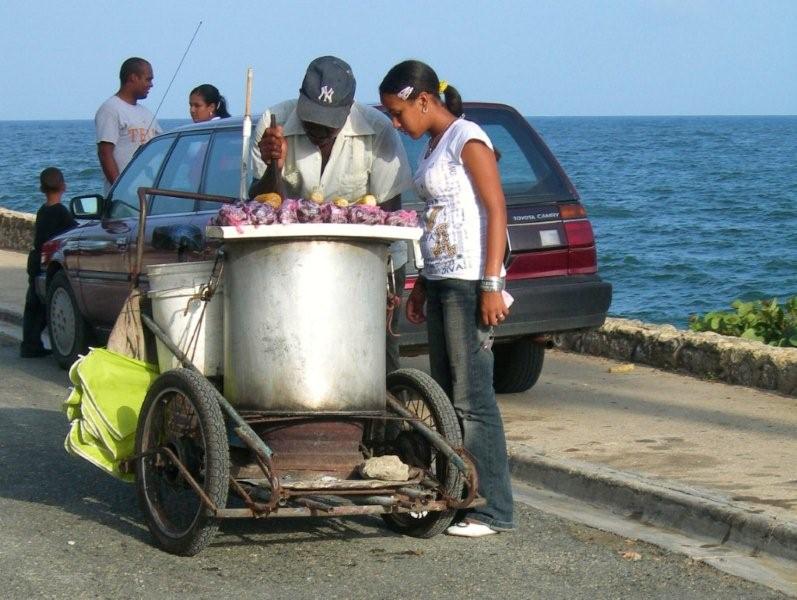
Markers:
point(68, 531)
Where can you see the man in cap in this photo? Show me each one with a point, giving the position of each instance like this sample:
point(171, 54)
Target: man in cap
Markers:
point(330, 146)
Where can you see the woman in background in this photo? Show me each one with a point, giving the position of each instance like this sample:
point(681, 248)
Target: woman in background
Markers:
point(205, 103)
point(463, 275)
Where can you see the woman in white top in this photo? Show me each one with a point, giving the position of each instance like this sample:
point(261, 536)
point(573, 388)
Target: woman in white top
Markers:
point(463, 276)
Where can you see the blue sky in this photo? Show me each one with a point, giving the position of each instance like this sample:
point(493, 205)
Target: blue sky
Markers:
point(545, 57)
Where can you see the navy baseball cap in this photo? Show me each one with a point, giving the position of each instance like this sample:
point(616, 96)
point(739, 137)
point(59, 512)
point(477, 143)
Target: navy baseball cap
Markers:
point(327, 92)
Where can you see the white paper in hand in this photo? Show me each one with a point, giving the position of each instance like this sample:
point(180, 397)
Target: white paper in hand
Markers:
point(508, 299)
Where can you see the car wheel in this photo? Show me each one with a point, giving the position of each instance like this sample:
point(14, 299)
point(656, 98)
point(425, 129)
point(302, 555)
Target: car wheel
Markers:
point(517, 365)
point(68, 331)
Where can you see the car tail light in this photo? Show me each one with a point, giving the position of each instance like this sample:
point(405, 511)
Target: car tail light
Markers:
point(574, 210)
point(581, 255)
point(48, 249)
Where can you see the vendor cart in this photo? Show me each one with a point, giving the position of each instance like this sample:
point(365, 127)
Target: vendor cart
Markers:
point(303, 410)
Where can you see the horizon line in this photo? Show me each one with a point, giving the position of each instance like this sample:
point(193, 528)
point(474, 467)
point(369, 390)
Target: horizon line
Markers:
point(584, 116)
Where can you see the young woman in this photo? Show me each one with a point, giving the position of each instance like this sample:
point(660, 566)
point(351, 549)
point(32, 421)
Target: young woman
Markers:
point(205, 103)
point(463, 276)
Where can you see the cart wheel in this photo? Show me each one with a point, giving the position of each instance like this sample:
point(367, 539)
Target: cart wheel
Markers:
point(181, 413)
point(421, 395)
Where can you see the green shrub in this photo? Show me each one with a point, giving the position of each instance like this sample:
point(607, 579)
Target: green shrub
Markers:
point(761, 320)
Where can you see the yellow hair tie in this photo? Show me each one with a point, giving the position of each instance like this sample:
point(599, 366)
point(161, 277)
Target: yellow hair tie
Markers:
point(442, 87)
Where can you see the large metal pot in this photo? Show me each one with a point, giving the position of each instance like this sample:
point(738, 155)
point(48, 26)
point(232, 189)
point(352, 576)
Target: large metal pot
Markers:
point(305, 325)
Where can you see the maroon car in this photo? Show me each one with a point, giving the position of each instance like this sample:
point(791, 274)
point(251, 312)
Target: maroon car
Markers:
point(551, 260)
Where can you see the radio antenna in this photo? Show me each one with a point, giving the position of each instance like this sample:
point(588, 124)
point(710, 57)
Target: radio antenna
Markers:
point(177, 70)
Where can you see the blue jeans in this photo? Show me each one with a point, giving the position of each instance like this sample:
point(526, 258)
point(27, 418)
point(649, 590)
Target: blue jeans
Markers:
point(461, 361)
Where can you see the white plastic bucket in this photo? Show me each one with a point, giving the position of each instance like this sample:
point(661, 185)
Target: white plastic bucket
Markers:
point(196, 327)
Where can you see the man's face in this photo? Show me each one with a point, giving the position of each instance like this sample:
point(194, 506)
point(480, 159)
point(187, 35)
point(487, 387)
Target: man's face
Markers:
point(142, 82)
point(320, 135)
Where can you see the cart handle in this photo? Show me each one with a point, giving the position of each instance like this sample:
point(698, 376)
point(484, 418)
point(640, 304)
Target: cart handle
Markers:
point(143, 192)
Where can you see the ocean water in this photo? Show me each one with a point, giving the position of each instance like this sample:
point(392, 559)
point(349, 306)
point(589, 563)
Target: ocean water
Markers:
point(689, 212)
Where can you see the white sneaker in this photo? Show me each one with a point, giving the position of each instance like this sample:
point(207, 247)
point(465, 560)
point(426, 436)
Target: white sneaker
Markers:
point(470, 529)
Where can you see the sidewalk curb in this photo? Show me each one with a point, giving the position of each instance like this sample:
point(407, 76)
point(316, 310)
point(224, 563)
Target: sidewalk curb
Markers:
point(660, 503)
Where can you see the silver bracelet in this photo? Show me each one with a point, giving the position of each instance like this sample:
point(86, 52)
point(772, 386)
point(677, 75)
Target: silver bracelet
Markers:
point(491, 283)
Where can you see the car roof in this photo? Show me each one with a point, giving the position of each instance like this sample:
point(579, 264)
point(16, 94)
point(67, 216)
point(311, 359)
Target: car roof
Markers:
point(237, 122)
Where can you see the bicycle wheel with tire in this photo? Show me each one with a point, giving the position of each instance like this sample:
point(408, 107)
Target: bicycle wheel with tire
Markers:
point(181, 413)
point(421, 395)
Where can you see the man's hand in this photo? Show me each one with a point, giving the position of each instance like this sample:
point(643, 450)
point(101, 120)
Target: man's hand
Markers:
point(107, 161)
point(416, 302)
point(273, 146)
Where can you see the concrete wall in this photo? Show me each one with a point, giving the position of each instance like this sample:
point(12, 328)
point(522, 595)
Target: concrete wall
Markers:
point(16, 230)
point(706, 355)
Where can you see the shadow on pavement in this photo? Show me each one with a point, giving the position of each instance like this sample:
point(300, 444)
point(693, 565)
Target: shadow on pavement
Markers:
point(35, 468)
point(42, 369)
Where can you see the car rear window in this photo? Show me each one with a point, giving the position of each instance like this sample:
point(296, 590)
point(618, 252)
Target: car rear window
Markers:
point(527, 176)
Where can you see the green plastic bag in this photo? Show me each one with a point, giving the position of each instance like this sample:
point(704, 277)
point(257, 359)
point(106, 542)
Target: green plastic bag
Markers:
point(109, 390)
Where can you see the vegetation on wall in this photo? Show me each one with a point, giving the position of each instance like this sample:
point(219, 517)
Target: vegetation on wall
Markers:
point(765, 321)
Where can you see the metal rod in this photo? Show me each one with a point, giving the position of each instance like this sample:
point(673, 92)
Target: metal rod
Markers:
point(143, 192)
point(380, 500)
point(412, 493)
point(243, 430)
point(247, 134)
point(336, 511)
point(177, 70)
point(314, 504)
point(203, 497)
point(437, 440)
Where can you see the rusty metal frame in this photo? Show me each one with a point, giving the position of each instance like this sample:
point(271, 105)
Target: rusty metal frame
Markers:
point(400, 499)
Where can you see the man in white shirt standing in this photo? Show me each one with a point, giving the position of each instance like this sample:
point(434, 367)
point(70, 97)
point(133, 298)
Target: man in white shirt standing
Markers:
point(122, 124)
point(328, 144)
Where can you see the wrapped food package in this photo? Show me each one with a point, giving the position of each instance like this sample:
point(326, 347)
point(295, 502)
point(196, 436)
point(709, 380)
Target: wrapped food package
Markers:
point(309, 212)
point(366, 214)
point(288, 211)
point(233, 215)
point(261, 212)
point(402, 218)
point(331, 213)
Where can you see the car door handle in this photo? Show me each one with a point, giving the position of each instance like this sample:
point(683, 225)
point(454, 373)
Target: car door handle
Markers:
point(121, 243)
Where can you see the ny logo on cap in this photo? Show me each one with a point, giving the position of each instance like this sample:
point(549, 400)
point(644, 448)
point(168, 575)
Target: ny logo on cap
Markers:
point(326, 94)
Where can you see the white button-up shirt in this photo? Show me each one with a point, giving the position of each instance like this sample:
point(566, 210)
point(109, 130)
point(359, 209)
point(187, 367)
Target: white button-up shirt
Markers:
point(367, 158)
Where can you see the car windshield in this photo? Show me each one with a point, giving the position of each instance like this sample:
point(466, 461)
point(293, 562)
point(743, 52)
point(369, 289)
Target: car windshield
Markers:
point(527, 175)
point(141, 172)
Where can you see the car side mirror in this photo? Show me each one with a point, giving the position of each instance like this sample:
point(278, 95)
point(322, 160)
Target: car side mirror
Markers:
point(86, 207)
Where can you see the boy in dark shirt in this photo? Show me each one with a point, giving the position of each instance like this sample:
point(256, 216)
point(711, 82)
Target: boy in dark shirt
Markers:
point(51, 219)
